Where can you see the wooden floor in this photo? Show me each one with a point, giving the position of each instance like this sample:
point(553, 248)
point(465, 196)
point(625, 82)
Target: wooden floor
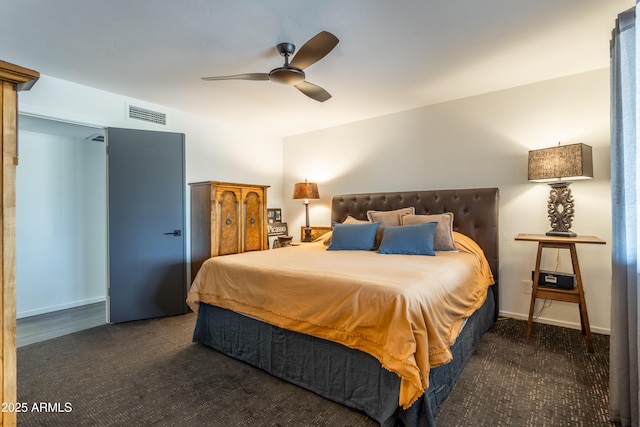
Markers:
point(50, 325)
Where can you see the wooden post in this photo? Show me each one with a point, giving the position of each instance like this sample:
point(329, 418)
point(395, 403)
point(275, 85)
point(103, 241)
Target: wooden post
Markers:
point(12, 79)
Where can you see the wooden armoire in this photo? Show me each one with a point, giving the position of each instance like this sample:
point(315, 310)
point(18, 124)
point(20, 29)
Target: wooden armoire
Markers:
point(13, 78)
point(226, 218)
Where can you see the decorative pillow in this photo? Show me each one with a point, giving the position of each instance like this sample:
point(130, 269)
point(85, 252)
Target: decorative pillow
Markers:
point(326, 236)
point(390, 217)
point(352, 220)
point(386, 218)
point(355, 237)
point(349, 220)
point(416, 239)
point(444, 233)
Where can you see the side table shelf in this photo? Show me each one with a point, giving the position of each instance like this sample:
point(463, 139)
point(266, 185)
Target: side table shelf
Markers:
point(575, 295)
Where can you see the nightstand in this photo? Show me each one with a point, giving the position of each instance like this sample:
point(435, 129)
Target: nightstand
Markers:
point(575, 295)
point(316, 231)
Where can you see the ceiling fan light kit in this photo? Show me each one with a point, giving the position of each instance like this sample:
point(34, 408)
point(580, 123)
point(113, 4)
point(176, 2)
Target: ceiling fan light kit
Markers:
point(293, 74)
point(287, 76)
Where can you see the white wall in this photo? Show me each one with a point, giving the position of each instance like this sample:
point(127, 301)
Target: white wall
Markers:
point(481, 141)
point(214, 151)
point(61, 223)
point(473, 142)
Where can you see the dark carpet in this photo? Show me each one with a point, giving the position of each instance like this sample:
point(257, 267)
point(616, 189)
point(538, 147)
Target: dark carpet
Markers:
point(550, 381)
point(150, 373)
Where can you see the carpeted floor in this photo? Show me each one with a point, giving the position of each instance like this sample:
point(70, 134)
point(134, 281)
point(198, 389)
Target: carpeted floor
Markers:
point(550, 381)
point(149, 373)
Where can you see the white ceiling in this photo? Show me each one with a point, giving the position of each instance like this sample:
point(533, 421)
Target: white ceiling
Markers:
point(392, 55)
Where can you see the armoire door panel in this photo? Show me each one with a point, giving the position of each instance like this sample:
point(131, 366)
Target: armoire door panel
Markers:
point(253, 235)
point(228, 227)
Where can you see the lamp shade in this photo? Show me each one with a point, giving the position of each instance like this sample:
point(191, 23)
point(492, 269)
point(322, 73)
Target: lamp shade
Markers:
point(306, 190)
point(571, 162)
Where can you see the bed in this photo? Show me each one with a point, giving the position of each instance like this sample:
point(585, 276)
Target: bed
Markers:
point(398, 376)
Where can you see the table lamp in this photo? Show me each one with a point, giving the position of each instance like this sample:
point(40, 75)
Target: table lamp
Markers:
point(558, 166)
point(306, 191)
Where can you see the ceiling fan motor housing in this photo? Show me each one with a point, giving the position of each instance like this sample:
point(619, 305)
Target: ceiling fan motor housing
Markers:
point(287, 75)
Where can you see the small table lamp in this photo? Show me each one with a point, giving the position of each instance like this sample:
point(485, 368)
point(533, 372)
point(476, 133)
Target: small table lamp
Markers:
point(551, 165)
point(306, 191)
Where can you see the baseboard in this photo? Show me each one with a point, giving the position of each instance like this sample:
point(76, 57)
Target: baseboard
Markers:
point(50, 309)
point(555, 322)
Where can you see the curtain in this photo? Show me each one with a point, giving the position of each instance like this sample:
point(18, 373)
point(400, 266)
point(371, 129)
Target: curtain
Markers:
point(624, 401)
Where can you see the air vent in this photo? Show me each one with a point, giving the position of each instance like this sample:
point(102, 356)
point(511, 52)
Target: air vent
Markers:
point(98, 137)
point(150, 116)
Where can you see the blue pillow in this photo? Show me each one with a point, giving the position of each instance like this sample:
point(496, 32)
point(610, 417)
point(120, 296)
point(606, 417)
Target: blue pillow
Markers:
point(415, 239)
point(354, 237)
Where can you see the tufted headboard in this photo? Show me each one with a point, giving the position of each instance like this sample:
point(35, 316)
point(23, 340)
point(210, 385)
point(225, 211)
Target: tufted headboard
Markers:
point(475, 213)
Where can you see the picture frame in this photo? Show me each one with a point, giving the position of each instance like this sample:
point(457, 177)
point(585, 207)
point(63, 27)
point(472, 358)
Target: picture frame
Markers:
point(277, 229)
point(274, 215)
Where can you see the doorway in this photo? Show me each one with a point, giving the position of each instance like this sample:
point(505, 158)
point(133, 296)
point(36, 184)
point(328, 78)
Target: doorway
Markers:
point(91, 202)
point(60, 224)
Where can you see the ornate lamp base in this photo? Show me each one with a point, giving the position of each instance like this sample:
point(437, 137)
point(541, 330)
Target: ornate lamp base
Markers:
point(307, 235)
point(560, 209)
point(307, 228)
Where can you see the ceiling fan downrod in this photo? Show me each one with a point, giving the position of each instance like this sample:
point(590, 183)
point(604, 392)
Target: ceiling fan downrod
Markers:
point(286, 75)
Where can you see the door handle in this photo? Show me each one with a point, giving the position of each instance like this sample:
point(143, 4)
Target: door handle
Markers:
point(176, 233)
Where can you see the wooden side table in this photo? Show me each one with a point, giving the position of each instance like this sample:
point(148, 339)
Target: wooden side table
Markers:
point(575, 295)
point(316, 231)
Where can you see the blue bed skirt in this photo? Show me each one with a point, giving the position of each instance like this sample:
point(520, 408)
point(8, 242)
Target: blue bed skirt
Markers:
point(339, 373)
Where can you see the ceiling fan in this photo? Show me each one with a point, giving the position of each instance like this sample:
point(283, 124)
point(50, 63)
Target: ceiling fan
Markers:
point(292, 73)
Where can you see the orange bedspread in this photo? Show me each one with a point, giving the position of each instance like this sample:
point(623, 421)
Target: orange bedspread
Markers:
point(404, 310)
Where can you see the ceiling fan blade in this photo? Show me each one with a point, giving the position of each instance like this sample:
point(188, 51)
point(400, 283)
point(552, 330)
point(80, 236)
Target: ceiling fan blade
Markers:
point(313, 91)
point(314, 50)
point(251, 76)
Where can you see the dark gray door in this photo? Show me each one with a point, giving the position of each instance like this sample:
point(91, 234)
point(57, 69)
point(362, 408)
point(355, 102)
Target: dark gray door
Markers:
point(147, 269)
